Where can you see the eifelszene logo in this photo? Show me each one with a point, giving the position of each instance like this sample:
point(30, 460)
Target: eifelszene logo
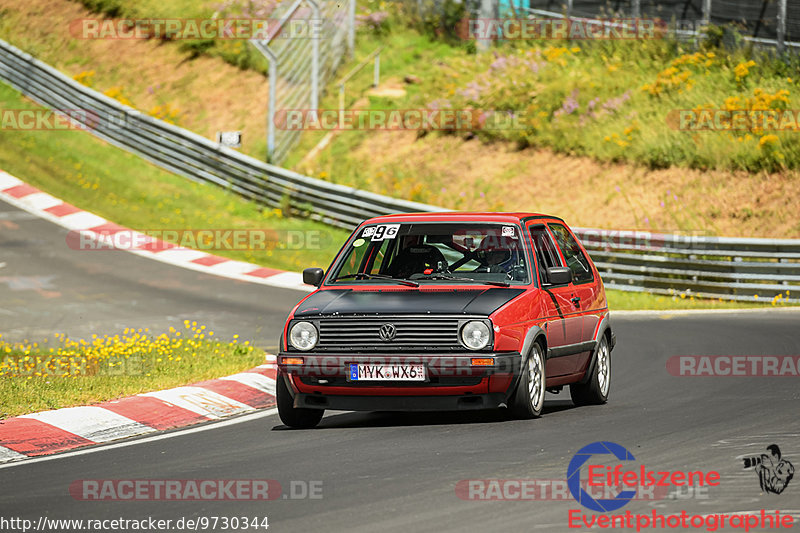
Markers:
point(574, 477)
point(629, 480)
point(774, 472)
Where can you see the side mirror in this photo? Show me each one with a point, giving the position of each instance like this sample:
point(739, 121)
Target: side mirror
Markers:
point(313, 276)
point(559, 275)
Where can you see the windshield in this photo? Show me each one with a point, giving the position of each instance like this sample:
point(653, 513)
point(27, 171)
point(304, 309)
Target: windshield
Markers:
point(437, 252)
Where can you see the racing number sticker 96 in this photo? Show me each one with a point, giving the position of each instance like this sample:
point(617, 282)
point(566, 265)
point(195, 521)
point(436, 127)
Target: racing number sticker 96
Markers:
point(384, 231)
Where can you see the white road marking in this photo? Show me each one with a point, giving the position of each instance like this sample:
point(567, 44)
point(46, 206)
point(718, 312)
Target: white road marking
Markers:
point(7, 181)
point(178, 433)
point(9, 455)
point(40, 200)
point(92, 423)
point(257, 381)
point(201, 401)
point(180, 255)
point(82, 220)
point(236, 268)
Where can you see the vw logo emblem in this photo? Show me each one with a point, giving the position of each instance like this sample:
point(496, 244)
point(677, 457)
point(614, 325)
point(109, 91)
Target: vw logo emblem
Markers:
point(387, 332)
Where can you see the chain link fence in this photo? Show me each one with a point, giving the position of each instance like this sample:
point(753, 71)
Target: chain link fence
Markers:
point(765, 22)
point(307, 44)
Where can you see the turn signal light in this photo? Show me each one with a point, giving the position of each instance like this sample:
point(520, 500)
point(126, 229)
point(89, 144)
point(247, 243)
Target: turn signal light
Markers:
point(482, 361)
point(292, 361)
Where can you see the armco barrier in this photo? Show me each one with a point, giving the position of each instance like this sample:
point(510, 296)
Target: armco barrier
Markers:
point(713, 267)
point(703, 266)
point(189, 154)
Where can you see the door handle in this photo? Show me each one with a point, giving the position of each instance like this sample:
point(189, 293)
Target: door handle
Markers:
point(576, 300)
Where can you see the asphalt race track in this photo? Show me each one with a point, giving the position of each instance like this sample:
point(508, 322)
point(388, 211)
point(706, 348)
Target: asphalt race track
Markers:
point(47, 287)
point(396, 472)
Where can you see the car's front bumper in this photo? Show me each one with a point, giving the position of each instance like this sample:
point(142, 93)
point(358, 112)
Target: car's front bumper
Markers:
point(401, 403)
point(452, 383)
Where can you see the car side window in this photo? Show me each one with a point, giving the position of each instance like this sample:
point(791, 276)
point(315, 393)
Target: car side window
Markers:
point(574, 256)
point(546, 255)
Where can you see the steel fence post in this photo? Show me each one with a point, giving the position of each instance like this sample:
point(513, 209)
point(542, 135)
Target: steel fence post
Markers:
point(781, 26)
point(351, 30)
point(273, 82)
point(315, 63)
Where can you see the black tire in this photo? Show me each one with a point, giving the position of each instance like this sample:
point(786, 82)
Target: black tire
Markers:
point(595, 391)
point(292, 416)
point(528, 400)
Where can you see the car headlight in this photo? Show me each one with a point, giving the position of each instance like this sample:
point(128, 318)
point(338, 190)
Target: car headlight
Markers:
point(475, 335)
point(303, 336)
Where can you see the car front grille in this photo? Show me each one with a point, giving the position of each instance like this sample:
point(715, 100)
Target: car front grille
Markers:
point(425, 333)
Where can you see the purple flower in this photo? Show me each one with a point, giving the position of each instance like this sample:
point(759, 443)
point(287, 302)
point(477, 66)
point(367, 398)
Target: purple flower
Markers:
point(440, 104)
point(612, 105)
point(569, 106)
point(472, 91)
point(499, 63)
point(373, 20)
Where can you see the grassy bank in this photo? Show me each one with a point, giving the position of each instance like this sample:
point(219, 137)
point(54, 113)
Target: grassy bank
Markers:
point(98, 177)
point(93, 175)
point(61, 372)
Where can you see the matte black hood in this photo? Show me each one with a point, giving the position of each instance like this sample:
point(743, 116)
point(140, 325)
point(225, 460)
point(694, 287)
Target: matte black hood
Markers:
point(454, 302)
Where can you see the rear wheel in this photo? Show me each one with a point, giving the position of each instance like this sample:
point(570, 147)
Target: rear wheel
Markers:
point(595, 391)
point(528, 400)
point(292, 416)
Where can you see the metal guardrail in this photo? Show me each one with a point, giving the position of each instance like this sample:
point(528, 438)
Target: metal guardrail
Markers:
point(715, 267)
point(702, 266)
point(190, 155)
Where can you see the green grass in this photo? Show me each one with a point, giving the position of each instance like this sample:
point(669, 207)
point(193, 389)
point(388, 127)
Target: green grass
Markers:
point(64, 372)
point(610, 100)
point(406, 52)
point(635, 301)
point(89, 173)
point(123, 188)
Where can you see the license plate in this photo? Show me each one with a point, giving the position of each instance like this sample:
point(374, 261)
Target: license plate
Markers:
point(363, 372)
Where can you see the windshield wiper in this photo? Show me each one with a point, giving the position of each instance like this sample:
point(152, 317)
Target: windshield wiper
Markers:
point(450, 277)
point(364, 275)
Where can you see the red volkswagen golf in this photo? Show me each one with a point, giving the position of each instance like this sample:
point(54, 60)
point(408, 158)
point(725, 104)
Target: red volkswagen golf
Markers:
point(448, 311)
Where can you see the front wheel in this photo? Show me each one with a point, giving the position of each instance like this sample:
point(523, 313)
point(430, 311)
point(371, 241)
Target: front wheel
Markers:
point(292, 416)
point(528, 400)
point(595, 391)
